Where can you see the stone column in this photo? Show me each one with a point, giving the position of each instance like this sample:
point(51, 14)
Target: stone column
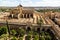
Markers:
point(29, 16)
point(21, 10)
point(18, 16)
point(26, 15)
point(23, 15)
point(33, 20)
point(12, 15)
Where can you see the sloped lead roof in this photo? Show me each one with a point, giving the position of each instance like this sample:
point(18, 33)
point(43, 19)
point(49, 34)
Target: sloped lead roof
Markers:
point(20, 5)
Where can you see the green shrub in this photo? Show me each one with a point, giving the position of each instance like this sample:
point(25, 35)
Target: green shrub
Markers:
point(13, 32)
point(36, 37)
point(14, 38)
point(3, 30)
point(42, 38)
point(48, 37)
point(30, 33)
point(21, 38)
point(28, 37)
point(21, 32)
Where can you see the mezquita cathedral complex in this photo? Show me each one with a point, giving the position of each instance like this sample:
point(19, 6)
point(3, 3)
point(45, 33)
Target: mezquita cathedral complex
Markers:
point(29, 18)
point(22, 15)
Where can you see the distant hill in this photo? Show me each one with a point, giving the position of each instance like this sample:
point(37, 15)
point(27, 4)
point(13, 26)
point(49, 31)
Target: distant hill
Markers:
point(34, 7)
point(47, 8)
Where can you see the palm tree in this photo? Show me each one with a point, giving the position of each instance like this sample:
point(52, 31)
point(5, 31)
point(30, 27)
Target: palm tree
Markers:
point(48, 37)
point(21, 32)
point(36, 36)
point(13, 32)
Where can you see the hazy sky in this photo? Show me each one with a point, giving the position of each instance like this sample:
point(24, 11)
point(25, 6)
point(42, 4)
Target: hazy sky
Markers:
point(30, 2)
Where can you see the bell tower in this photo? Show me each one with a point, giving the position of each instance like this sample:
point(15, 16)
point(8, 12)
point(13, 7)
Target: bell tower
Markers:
point(20, 8)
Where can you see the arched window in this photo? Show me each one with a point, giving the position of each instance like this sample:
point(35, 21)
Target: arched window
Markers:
point(31, 15)
point(28, 29)
point(21, 16)
point(24, 15)
point(27, 15)
point(38, 29)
